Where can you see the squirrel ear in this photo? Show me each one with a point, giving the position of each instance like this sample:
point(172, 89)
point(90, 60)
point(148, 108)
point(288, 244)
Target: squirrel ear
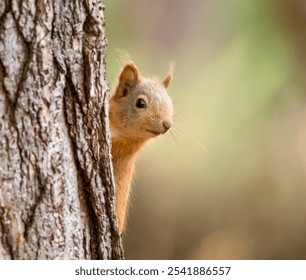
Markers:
point(169, 75)
point(129, 75)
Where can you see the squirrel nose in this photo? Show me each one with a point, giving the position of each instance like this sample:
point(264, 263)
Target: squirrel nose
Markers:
point(167, 125)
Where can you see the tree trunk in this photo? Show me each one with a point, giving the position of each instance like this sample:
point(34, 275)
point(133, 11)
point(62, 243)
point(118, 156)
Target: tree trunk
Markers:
point(56, 178)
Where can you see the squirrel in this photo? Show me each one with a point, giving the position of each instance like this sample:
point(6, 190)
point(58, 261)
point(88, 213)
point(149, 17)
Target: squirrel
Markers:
point(140, 109)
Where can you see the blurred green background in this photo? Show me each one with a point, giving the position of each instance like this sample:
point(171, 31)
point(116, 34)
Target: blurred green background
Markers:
point(229, 181)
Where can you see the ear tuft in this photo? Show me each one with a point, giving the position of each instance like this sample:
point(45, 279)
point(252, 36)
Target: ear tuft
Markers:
point(129, 75)
point(169, 75)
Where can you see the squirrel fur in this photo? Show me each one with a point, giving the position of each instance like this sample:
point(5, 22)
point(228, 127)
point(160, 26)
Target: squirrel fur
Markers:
point(140, 109)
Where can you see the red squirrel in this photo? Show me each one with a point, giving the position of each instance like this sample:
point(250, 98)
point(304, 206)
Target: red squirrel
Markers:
point(140, 109)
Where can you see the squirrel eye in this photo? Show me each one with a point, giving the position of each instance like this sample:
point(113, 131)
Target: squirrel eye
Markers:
point(140, 103)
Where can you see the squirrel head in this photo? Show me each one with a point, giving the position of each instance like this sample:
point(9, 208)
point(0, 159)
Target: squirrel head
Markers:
point(140, 108)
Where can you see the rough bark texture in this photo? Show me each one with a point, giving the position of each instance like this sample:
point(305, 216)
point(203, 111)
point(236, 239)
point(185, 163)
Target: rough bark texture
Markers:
point(56, 178)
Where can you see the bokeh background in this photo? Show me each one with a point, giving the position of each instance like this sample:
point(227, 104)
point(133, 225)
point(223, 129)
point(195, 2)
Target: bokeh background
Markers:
point(229, 181)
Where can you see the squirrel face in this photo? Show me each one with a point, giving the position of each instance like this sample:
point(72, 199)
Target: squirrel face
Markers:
point(140, 108)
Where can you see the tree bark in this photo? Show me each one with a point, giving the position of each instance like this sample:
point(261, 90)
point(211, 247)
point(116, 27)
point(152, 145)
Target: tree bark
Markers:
point(56, 176)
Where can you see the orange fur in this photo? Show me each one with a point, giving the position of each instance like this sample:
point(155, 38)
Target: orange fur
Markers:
point(133, 125)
